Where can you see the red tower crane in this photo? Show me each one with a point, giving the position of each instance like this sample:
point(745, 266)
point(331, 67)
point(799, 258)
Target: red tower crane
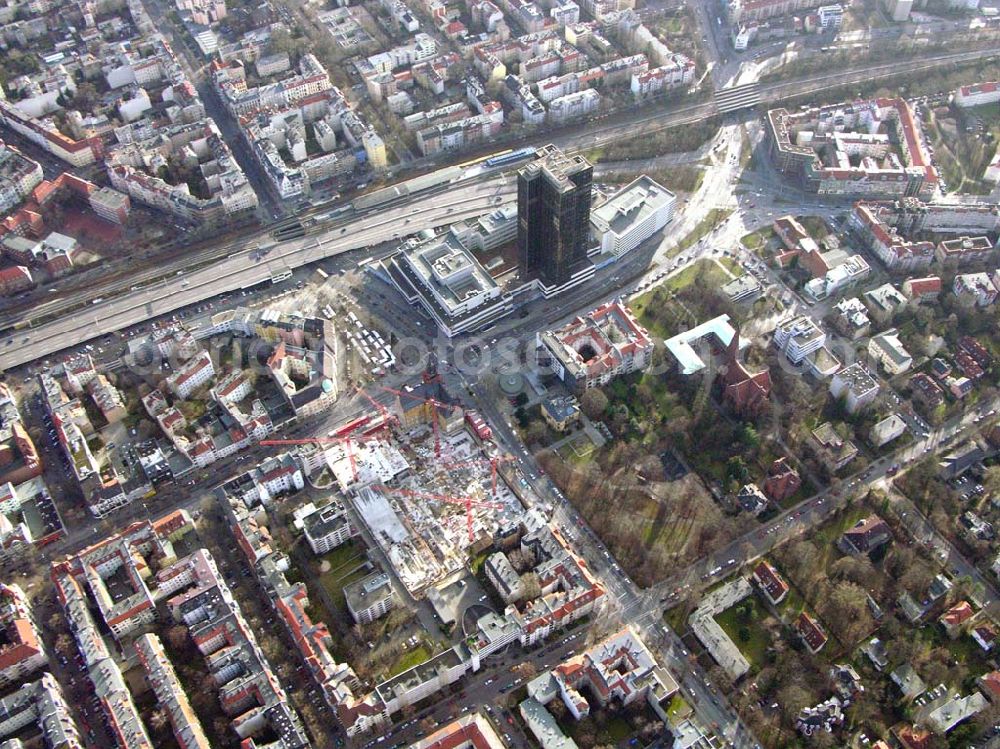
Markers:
point(387, 417)
point(493, 462)
point(468, 502)
point(320, 441)
point(434, 403)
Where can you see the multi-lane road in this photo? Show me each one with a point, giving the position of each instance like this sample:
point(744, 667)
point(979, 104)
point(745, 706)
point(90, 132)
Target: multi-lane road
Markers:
point(236, 269)
point(241, 270)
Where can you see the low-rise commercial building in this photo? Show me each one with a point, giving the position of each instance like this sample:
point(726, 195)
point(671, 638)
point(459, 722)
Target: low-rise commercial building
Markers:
point(978, 94)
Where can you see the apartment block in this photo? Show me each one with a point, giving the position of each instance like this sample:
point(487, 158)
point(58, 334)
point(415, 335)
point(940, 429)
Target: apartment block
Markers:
point(105, 677)
point(974, 289)
point(887, 350)
point(170, 694)
point(41, 704)
point(880, 224)
point(249, 692)
point(503, 577)
point(856, 385)
point(339, 684)
point(369, 598)
point(884, 302)
point(862, 164)
point(19, 176)
point(964, 250)
point(21, 649)
point(618, 671)
point(919, 290)
point(193, 374)
point(326, 527)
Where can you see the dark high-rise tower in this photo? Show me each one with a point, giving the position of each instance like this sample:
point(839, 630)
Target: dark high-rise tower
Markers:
point(553, 216)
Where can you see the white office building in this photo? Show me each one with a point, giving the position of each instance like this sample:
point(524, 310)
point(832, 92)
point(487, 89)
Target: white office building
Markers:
point(632, 215)
point(798, 338)
point(447, 280)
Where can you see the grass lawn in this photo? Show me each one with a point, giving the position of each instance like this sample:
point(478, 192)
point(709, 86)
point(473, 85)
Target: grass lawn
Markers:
point(746, 147)
point(335, 581)
point(682, 178)
point(641, 303)
point(678, 709)
point(665, 400)
point(732, 266)
point(744, 623)
point(343, 555)
point(477, 562)
point(409, 659)
point(792, 605)
point(687, 276)
point(963, 648)
point(577, 449)
point(674, 26)
point(715, 217)
point(828, 533)
point(676, 620)
point(756, 240)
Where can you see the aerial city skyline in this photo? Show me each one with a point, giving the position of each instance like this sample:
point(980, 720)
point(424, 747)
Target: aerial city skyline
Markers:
point(504, 374)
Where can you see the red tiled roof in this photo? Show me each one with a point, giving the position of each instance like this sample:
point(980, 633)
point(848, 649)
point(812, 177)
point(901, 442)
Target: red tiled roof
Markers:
point(957, 614)
point(458, 735)
point(921, 286)
point(769, 579)
point(980, 88)
point(810, 631)
point(14, 273)
point(991, 684)
point(24, 644)
point(912, 737)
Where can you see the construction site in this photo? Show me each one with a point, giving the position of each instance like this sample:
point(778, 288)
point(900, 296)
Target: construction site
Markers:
point(425, 478)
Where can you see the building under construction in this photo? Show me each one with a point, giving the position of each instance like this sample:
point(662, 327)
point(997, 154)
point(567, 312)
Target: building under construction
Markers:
point(428, 488)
